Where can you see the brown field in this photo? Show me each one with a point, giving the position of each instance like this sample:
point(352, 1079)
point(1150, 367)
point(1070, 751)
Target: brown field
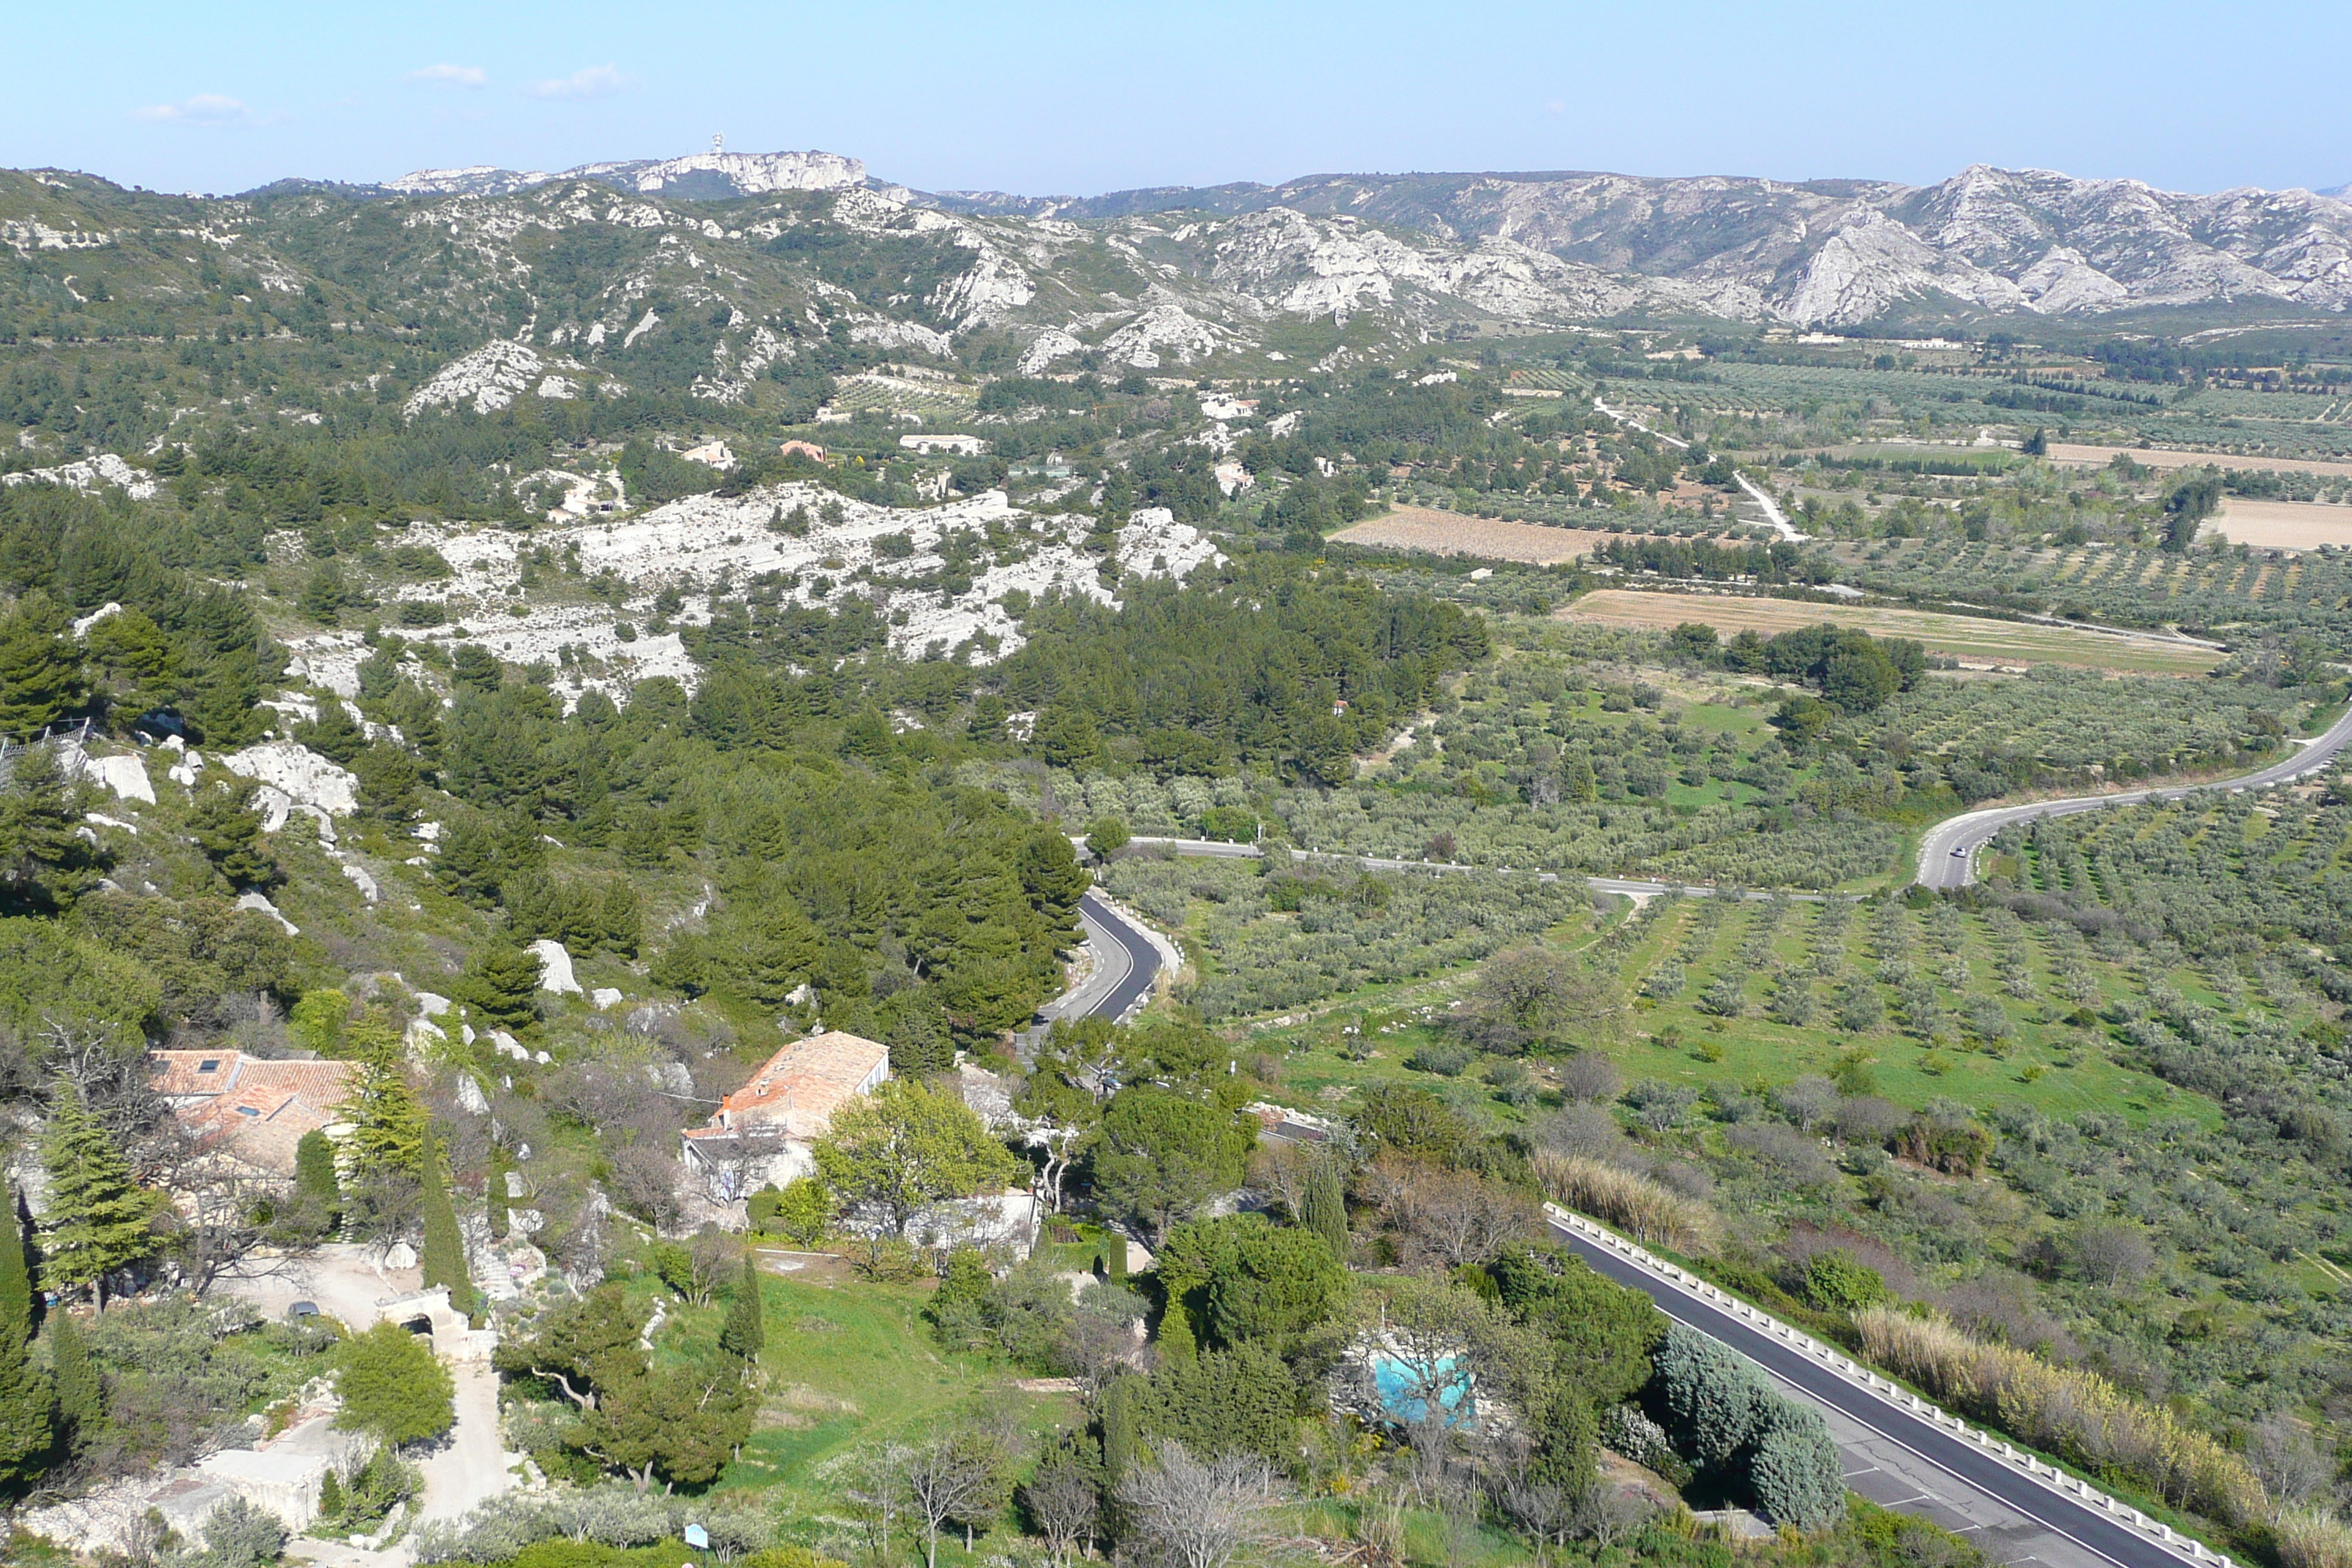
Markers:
point(2100, 456)
point(2005, 644)
point(1488, 538)
point(2282, 524)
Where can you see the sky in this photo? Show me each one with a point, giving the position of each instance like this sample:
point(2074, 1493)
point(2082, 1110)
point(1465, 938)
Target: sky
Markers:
point(1040, 98)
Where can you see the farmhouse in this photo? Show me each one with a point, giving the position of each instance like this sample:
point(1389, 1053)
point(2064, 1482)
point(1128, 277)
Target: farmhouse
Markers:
point(250, 1111)
point(761, 1132)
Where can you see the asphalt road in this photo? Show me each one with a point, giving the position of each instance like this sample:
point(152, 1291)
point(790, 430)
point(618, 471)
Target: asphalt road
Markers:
point(1947, 854)
point(1127, 946)
point(1891, 1450)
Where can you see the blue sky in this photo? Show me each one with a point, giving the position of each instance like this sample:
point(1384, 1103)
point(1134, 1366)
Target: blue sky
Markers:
point(1052, 98)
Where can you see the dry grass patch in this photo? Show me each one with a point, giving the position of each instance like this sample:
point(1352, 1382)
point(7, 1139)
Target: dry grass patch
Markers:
point(1968, 639)
point(2100, 456)
point(1488, 538)
point(2281, 524)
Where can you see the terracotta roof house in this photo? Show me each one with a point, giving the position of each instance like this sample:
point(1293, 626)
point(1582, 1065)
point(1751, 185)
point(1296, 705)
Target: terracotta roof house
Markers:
point(251, 1111)
point(761, 1132)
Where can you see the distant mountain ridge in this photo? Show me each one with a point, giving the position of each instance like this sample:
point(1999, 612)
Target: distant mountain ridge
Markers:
point(1820, 252)
point(698, 177)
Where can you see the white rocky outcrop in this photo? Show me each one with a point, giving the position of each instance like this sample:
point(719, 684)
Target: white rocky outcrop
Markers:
point(1166, 330)
point(1047, 346)
point(555, 968)
point(87, 473)
point(300, 774)
point(688, 543)
point(489, 378)
point(121, 774)
point(261, 905)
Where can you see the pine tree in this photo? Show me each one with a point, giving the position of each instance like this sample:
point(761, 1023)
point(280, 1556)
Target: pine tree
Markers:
point(1326, 1208)
point(502, 982)
point(318, 1194)
point(41, 670)
point(45, 863)
point(389, 1127)
point(331, 1496)
point(227, 828)
point(443, 1260)
point(101, 1219)
point(16, 1279)
point(745, 1333)
point(73, 1378)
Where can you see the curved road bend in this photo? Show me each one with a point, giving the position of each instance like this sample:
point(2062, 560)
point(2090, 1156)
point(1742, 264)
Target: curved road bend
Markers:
point(1947, 854)
point(1126, 963)
point(1903, 1461)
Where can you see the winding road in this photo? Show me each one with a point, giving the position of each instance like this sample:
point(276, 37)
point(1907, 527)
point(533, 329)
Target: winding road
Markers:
point(1947, 854)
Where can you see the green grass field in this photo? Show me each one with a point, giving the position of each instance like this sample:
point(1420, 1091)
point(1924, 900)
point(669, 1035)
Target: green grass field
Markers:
point(852, 1364)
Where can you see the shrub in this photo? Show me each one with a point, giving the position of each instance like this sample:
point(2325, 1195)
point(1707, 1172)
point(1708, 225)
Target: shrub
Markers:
point(1713, 1401)
point(1447, 1059)
point(1795, 1474)
point(1837, 1283)
point(240, 1533)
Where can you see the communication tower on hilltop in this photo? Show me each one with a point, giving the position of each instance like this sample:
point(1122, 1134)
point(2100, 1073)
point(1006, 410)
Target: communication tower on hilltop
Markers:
point(718, 145)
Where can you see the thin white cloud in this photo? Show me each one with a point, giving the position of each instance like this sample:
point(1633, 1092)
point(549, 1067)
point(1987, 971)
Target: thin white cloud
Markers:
point(592, 82)
point(204, 109)
point(446, 75)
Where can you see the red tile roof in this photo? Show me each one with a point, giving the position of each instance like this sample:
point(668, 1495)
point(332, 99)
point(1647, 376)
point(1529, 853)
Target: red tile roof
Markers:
point(800, 1087)
point(256, 1111)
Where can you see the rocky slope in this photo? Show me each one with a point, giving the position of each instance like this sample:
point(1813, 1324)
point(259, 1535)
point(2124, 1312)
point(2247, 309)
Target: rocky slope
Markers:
point(1829, 252)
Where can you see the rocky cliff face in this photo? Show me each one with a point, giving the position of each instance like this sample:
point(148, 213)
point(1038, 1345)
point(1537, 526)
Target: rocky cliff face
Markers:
point(1835, 252)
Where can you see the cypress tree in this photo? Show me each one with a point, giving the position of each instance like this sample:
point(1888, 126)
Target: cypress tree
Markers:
point(331, 1496)
point(24, 1403)
point(316, 1192)
point(99, 1216)
point(1326, 1208)
point(73, 1377)
point(745, 1331)
point(1122, 1428)
point(25, 1434)
point(15, 1278)
point(443, 1260)
point(497, 1193)
point(1176, 1342)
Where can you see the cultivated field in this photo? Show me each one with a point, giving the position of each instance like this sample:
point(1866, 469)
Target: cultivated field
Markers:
point(1968, 639)
point(2282, 524)
point(2100, 456)
point(1450, 533)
